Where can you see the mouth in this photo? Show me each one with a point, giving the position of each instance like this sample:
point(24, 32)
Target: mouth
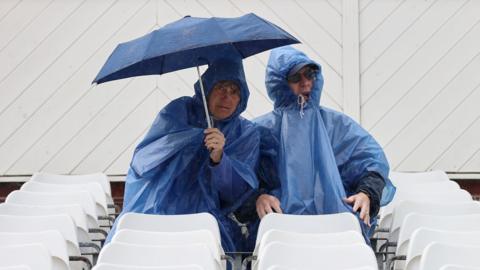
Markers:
point(224, 108)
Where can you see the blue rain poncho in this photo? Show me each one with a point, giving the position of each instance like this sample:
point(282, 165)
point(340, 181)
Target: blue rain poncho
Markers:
point(171, 171)
point(313, 158)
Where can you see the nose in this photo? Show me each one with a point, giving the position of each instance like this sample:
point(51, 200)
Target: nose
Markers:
point(304, 80)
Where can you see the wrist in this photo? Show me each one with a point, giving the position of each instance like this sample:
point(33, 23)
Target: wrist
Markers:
point(215, 158)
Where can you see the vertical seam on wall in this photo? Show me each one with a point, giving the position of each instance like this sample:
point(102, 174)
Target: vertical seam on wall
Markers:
point(351, 59)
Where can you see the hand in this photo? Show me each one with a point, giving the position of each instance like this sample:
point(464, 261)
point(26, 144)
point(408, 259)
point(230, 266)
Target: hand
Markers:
point(360, 201)
point(267, 204)
point(214, 141)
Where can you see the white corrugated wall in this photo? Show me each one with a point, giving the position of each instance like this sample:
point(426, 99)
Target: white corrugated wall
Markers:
point(406, 69)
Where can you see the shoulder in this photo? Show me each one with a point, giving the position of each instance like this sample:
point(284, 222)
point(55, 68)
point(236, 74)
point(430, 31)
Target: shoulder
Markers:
point(247, 126)
point(335, 118)
point(180, 103)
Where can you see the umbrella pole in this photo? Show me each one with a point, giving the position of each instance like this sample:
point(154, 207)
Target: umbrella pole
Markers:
point(207, 115)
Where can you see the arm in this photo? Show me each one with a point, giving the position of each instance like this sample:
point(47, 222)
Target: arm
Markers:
point(361, 162)
point(232, 163)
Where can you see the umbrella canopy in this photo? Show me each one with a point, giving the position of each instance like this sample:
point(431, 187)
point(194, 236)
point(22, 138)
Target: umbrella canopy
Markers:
point(191, 42)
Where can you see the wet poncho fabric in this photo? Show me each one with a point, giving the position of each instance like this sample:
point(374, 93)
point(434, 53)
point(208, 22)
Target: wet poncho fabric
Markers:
point(171, 172)
point(312, 157)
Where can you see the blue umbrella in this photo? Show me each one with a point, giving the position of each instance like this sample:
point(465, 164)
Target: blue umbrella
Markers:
point(192, 42)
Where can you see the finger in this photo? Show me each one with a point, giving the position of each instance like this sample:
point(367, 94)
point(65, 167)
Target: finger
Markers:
point(349, 200)
point(276, 207)
point(356, 205)
point(363, 211)
point(261, 212)
point(366, 219)
point(212, 146)
point(212, 131)
point(214, 138)
point(215, 143)
point(268, 209)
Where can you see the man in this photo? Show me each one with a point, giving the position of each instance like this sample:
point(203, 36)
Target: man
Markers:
point(314, 160)
point(182, 167)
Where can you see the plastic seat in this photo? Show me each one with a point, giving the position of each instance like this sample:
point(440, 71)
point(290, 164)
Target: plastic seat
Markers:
point(316, 257)
point(401, 178)
point(416, 191)
point(82, 198)
point(95, 190)
point(438, 255)
point(107, 266)
point(34, 256)
point(75, 211)
point(428, 208)
point(314, 239)
point(51, 178)
point(61, 223)
point(170, 238)
point(52, 240)
point(458, 267)
point(170, 223)
point(422, 237)
point(431, 196)
point(308, 223)
point(450, 223)
point(142, 255)
point(277, 267)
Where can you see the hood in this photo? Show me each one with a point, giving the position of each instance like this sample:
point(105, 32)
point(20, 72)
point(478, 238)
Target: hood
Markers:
point(279, 64)
point(226, 68)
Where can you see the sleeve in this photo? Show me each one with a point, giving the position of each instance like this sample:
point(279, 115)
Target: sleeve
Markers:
point(372, 185)
point(360, 159)
point(234, 177)
point(266, 173)
point(228, 183)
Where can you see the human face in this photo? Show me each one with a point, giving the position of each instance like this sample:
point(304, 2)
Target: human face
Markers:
point(301, 82)
point(223, 99)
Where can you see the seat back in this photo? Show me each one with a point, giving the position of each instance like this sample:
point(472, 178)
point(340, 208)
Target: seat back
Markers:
point(75, 211)
point(142, 255)
point(438, 255)
point(170, 223)
point(100, 178)
point(402, 178)
point(316, 257)
point(82, 198)
point(34, 256)
point(17, 267)
point(450, 223)
point(432, 196)
point(95, 190)
point(458, 267)
point(61, 223)
point(422, 237)
point(52, 240)
point(314, 239)
point(108, 266)
point(429, 208)
point(170, 238)
point(308, 223)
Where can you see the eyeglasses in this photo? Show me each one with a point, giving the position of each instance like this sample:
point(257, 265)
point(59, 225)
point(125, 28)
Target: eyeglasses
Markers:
point(309, 74)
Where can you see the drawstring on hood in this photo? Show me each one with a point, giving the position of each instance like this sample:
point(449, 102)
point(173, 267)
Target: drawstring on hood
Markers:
point(302, 102)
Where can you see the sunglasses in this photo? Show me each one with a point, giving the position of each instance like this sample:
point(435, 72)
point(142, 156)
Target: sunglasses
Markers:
point(309, 74)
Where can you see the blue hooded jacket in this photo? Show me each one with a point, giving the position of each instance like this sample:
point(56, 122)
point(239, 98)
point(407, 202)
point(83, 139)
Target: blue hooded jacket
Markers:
point(313, 158)
point(171, 173)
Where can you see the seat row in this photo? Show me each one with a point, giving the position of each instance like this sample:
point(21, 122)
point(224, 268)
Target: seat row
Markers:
point(430, 214)
point(65, 217)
